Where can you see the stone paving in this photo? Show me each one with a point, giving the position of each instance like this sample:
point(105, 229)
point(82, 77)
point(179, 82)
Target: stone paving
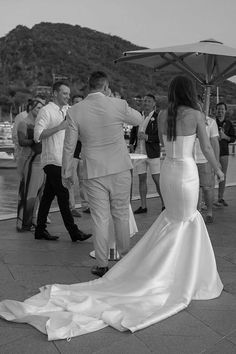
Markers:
point(27, 264)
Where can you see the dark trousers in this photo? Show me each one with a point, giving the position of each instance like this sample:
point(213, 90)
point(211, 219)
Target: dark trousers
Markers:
point(54, 187)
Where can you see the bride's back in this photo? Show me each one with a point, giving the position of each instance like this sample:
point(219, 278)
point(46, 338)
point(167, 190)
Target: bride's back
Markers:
point(186, 121)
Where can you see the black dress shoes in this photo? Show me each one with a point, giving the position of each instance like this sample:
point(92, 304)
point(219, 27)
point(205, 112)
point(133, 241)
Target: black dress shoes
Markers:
point(140, 210)
point(99, 271)
point(44, 235)
point(80, 236)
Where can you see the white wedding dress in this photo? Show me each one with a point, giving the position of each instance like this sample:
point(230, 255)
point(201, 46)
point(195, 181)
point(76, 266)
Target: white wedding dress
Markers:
point(171, 265)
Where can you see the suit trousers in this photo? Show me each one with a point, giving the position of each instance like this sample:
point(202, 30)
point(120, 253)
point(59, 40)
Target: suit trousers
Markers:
point(109, 196)
point(54, 187)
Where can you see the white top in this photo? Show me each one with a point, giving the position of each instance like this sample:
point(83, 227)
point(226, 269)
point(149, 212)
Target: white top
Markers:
point(212, 132)
point(141, 146)
point(50, 116)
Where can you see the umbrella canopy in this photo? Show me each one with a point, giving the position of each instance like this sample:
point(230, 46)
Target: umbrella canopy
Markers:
point(208, 61)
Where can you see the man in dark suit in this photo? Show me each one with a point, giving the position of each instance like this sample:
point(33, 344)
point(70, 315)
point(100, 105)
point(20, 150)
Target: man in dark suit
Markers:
point(227, 135)
point(144, 139)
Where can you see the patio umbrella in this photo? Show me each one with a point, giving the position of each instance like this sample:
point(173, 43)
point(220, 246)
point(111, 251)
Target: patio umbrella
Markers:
point(208, 61)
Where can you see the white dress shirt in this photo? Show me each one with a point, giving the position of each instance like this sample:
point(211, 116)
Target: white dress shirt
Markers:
point(141, 146)
point(48, 117)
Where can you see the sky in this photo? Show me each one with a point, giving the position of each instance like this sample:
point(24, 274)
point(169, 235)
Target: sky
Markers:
point(149, 23)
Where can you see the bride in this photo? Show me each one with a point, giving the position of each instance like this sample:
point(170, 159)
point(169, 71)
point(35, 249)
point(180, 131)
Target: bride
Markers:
point(171, 265)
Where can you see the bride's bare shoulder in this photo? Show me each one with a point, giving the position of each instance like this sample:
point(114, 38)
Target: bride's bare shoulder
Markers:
point(191, 113)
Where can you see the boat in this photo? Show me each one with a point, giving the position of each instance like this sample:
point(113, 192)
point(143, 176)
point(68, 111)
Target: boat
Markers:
point(7, 160)
point(6, 146)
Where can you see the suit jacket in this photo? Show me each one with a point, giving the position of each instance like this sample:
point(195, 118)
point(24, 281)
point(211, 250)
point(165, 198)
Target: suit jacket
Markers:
point(99, 120)
point(229, 131)
point(152, 144)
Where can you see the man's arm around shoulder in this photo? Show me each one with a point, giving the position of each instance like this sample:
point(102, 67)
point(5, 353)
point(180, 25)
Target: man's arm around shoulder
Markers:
point(41, 130)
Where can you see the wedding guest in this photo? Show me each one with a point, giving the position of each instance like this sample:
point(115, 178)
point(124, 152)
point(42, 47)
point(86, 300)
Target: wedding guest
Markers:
point(29, 168)
point(205, 171)
point(98, 120)
point(145, 140)
point(78, 162)
point(50, 129)
point(17, 148)
point(75, 99)
point(227, 135)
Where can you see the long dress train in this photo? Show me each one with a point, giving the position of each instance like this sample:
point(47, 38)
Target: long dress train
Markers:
point(171, 265)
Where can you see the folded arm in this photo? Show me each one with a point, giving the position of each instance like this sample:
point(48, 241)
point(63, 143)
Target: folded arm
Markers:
point(206, 145)
point(23, 139)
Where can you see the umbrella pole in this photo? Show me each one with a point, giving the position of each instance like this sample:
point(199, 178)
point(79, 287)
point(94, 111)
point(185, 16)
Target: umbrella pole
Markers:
point(207, 99)
point(217, 94)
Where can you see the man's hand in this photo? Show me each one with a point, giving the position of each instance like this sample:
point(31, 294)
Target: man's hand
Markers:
point(220, 175)
point(142, 136)
point(131, 149)
point(223, 135)
point(68, 182)
point(62, 125)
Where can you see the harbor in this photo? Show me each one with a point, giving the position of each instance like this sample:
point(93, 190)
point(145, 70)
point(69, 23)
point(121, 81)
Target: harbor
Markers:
point(9, 187)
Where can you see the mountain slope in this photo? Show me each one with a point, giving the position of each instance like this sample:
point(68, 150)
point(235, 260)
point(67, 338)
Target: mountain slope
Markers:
point(30, 57)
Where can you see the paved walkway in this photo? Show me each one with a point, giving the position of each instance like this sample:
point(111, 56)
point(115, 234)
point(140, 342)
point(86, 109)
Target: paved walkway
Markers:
point(27, 264)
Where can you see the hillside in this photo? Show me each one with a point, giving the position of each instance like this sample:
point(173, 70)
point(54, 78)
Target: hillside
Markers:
point(30, 57)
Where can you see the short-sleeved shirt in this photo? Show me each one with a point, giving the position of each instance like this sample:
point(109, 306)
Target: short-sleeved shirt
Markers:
point(212, 132)
point(48, 117)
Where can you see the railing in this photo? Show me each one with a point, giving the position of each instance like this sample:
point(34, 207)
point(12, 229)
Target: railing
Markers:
point(7, 148)
point(10, 148)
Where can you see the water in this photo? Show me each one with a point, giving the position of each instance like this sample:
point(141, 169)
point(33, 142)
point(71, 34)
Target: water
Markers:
point(9, 188)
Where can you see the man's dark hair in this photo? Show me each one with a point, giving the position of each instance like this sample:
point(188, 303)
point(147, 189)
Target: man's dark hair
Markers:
point(29, 104)
point(222, 103)
point(151, 96)
point(97, 80)
point(56, 86)
point(77, 96)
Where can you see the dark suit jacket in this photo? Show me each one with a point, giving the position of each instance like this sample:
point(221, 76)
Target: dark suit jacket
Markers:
point(229, 131)
point(153, 143)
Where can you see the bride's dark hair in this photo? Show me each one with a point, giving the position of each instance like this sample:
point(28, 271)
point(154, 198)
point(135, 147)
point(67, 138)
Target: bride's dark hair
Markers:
point(181, 92)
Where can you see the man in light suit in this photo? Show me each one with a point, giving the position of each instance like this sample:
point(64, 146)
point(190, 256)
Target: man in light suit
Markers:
point(99, 119)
